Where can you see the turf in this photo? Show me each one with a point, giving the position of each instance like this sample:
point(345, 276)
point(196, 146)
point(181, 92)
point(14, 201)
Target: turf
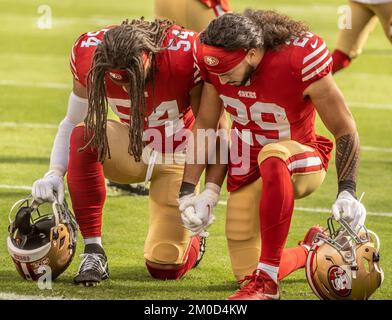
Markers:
point(30, 56)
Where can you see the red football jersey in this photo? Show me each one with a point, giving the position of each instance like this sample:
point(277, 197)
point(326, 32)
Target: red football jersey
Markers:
point(271, 107)
point(169, 110)
point(220, 6)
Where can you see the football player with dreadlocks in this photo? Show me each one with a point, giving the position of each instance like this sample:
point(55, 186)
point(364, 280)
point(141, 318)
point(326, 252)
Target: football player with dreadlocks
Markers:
point(192, 14)
point(272, 75)
point(364, 17)
point(145, 72)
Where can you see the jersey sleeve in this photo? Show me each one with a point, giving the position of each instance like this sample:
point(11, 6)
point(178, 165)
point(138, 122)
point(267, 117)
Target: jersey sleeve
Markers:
point(81, 58)
point(311, 59)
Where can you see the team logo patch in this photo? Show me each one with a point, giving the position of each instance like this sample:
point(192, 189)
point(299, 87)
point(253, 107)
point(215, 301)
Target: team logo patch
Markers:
point(211, 61)
point(340, 281)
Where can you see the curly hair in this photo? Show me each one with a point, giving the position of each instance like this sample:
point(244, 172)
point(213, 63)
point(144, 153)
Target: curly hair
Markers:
point(252, 29)
point(122, 48)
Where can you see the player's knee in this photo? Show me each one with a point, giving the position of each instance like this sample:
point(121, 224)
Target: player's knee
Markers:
point(342, 60)
point(165, 272)
point(273, 150)
point(162, 261)
point(165, 253)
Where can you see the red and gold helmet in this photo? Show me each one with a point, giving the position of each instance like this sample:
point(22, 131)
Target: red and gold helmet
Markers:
point(343, 264)
point(41, 236)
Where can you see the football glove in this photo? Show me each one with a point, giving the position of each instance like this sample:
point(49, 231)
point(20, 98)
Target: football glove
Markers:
point(197, 210)
point(47, 188)
point(350, 209)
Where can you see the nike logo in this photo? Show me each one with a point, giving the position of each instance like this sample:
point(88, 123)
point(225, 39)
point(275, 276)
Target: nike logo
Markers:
point(314, 45)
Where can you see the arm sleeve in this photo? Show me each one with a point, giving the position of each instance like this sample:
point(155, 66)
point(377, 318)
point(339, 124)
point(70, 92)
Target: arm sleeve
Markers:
point(76, 112)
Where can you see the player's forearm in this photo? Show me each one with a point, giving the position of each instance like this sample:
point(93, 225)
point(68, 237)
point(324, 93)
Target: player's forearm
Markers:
point(216, 172)
point(197, 159)
point(77, 109)
point(347, 161)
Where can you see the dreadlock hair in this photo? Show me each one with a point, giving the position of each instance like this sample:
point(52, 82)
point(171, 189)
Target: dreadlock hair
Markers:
point(122, 48)
point(252, 29)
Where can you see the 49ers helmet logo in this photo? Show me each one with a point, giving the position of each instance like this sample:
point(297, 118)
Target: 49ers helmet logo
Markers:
point(211, 61)
point(340, 281)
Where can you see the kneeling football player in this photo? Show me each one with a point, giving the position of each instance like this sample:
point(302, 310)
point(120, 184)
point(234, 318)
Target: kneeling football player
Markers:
point(145, 72)
point(272, 75)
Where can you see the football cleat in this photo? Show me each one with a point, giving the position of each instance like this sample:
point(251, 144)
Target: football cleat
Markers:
point(311, 235)
point(203, 241)
point(94, 266)
point(260, 286)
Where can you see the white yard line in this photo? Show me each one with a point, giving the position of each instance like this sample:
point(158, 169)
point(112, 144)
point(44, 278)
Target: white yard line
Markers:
point(376, 149)
point(28, 84)
point(326, 210)
point(366, 105)
point(15, 296)
point(29, 125)
point(11, 187)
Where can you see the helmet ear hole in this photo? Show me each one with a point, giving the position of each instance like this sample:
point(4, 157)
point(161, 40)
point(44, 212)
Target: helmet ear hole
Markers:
point(62, 241)
point(366, 264)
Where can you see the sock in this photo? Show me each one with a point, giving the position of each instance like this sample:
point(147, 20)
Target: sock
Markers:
point(270, 270)
point(174, 274)
point(292, 260)
point(93, 240)
point(340, 60)
point(276, 209)
point(86, 184)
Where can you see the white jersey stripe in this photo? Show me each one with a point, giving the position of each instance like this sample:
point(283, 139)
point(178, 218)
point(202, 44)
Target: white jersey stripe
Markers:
point(303, 163)
point(314, 53)
point(315, 63)
point(318, 70)
point(72, 55)
point(195, 75)
point(73, 66)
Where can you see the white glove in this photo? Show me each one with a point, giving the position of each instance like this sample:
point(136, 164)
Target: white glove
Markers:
point(197, 211)
point(350, 209)
point(44, 189)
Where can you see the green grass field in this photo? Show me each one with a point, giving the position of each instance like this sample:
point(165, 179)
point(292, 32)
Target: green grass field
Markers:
point(34, 86)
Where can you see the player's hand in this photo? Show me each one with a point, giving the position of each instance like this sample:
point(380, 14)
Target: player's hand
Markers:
point(48, 187)
point(350, 209)
point(197, 211)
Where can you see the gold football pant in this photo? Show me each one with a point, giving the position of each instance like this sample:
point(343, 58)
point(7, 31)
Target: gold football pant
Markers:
point(242, 223)
point(364, 20)
point(191, 14)
point(167, 240)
